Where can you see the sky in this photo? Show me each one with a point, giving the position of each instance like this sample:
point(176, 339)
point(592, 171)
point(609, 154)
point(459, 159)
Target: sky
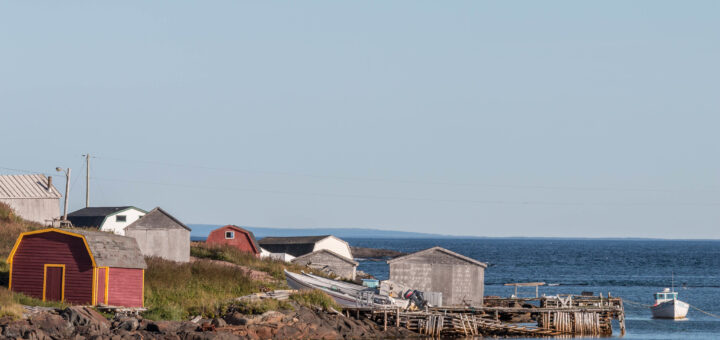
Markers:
point(523, 118)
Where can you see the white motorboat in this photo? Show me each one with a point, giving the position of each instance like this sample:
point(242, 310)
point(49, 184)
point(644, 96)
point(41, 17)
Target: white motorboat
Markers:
point(667, 306)
point(344, 293)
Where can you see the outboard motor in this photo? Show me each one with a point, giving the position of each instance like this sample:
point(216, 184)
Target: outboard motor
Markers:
point(416, 297)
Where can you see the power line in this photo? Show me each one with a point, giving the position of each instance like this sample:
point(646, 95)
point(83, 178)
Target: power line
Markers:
point(405, 198)
point(402, 181)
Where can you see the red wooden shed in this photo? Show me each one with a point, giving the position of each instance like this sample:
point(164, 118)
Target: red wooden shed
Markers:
point(78, 266)
point(235, 236)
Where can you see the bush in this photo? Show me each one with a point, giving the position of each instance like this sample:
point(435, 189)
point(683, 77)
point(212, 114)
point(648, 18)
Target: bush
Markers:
point(230, 254)
point(8, 305)
point(315, 298)
point(261, 306)
point(11, 226)
point(175, 291)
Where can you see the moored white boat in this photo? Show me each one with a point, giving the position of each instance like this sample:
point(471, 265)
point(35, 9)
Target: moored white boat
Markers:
point(344, 293)
point(667, 306)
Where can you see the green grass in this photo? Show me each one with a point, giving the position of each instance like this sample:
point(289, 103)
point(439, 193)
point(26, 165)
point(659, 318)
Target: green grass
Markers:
point(226, 253)
point(315, 298)
point(261, 306)
point(175, 291)
point(8, 305)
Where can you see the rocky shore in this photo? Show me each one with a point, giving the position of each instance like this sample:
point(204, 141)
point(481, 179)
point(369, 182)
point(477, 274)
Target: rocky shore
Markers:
point(297, 323)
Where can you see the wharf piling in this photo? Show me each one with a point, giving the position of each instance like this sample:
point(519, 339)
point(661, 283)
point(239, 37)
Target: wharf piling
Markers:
point(556, 316)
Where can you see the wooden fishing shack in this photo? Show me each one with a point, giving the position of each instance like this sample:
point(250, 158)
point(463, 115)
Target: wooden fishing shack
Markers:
point(460, 279)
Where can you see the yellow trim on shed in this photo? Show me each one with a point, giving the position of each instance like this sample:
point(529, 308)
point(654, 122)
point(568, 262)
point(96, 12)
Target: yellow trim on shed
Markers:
point(62, 284)
point(17, 242)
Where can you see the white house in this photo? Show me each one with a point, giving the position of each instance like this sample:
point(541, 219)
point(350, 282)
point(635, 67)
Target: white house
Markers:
point(301, 245)
point(114, 219)
point(32, 197)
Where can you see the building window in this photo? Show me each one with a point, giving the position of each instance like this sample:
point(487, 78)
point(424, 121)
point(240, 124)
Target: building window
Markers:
point(120, 218)
point(141, 216)
point(229, 234)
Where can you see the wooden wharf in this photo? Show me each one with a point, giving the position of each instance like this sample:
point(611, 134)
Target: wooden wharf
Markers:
point(558, 316)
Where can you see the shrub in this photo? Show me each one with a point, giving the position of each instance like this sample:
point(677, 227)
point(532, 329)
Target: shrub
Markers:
point(261, 306)
point(174, 291)
point(315, 298)
point(8, 305)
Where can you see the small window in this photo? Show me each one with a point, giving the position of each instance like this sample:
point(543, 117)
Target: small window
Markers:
point(229, 234)
point(141, 216)
point(120, 218)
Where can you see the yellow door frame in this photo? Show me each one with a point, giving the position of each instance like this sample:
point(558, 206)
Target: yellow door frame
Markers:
point(62, 285)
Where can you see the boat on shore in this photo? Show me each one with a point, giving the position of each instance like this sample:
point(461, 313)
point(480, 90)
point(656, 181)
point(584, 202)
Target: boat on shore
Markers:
point(667, 306)
point(344, 293)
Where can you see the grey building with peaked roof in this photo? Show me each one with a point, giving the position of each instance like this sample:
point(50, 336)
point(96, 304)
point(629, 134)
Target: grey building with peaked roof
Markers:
point(329, 261)
point(460, 279)
point(301, 245)
point(160, 234)
point(33, 197)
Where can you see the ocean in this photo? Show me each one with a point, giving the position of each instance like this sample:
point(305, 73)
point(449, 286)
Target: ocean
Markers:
point(631, 269)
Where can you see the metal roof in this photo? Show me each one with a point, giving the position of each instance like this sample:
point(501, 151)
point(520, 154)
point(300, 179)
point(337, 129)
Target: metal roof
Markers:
point(95, 216)
point(293, 239)
point(327, 251)
point(26, 186)
point(157, 219)
point(438, 249)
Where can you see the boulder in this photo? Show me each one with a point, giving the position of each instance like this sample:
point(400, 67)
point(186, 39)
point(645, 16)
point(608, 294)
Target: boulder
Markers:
point(237, 319)
point(87, 319)
point(128, 323)
point(218, 322)
point(53, 325)
point(164, 326)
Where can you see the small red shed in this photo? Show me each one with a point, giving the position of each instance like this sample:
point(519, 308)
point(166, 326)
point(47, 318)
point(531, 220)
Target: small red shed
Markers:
point(78, 266)
point(235, 236)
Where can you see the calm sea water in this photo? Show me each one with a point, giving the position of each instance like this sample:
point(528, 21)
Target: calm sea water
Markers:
point(631, 269)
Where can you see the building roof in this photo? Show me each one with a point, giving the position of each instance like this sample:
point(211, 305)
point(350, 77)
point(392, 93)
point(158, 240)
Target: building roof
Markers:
point(248, 232)
point(438, 249)
point(157, 219)
point(27, 186)
point(107, 249)
point(95, 216)
point(330, 252)
point(295, 246)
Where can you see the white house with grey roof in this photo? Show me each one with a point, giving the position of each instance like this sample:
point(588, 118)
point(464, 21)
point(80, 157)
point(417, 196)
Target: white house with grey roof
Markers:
point(301, 245)
point(33, 197)
point(112, 219)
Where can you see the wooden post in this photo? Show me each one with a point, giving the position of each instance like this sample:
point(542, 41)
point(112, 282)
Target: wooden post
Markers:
point(397, 317)
point(385, 321)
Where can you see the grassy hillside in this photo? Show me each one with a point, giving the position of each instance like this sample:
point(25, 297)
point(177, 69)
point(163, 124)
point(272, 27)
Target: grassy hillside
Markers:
point(173, 291)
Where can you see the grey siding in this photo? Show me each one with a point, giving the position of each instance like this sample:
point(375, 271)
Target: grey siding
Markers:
point(326, 261)
point(459, 281)
point(38, 210)
point(170, 244)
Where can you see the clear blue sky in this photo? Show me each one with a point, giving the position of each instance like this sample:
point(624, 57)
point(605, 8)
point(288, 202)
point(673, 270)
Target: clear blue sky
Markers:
point(483, 118)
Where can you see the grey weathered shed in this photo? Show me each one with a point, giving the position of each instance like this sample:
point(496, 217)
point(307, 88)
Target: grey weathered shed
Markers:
point(331, 261)
point(459, 278)
point(32, 197)
point(160, 234)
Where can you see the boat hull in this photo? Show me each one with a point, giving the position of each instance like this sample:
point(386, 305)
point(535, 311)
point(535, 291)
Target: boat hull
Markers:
point(674, 309)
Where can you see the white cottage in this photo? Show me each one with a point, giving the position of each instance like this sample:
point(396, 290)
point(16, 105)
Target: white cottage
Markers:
point(114, 219)
point(301, 245)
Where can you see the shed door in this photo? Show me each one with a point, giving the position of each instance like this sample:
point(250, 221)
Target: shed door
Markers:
point(101, 285)
point(53, 283)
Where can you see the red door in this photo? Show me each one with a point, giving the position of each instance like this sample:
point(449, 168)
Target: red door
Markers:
point(54, 283)
point(101, 285)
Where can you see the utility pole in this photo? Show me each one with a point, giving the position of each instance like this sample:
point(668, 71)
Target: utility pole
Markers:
point(87, 180)
point(67, 189)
